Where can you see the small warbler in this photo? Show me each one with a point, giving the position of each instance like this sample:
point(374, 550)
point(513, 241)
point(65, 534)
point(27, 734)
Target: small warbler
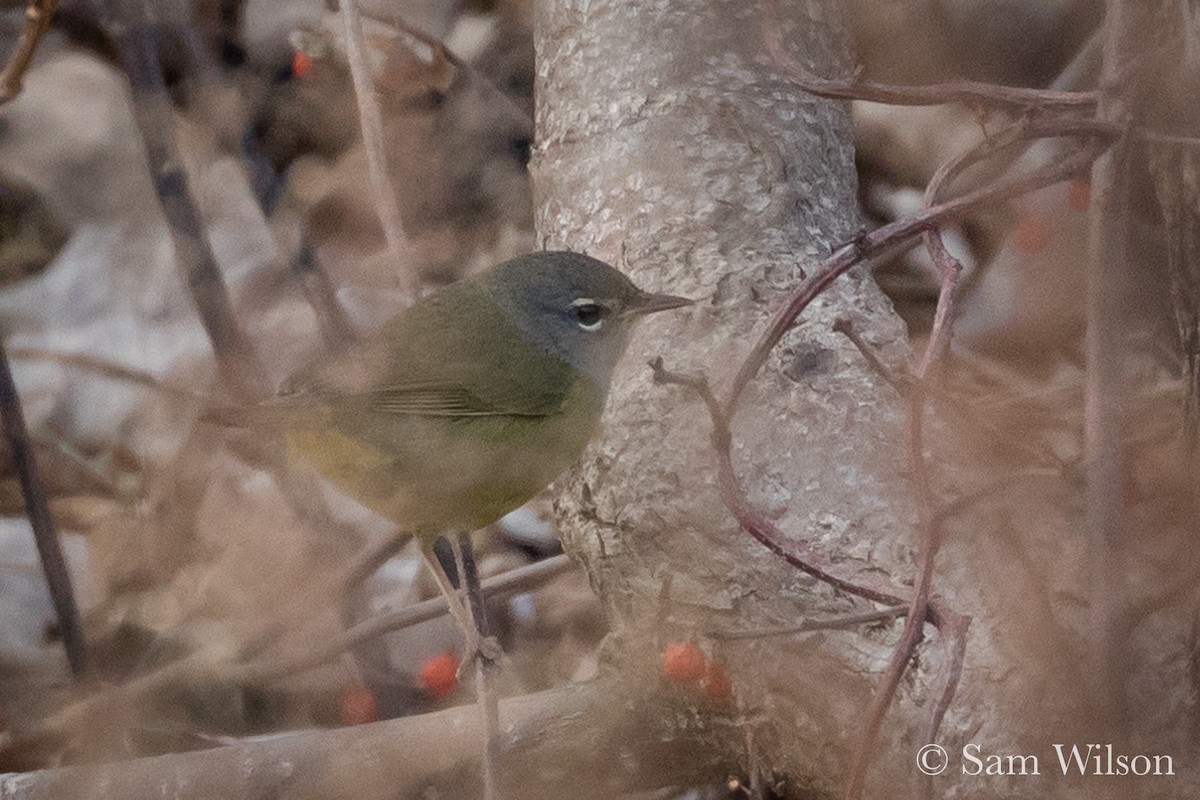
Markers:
point(467, 404)
point(470, 402)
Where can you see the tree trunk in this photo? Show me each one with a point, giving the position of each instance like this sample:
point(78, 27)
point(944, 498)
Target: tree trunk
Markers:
point(670, 146)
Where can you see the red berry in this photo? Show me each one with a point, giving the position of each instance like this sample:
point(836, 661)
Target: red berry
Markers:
point(358, 706)
point(716, 685)
point(683, 662)
point(1079, 195)
point(439, 675)
point(1031, 234)
point(301, 64)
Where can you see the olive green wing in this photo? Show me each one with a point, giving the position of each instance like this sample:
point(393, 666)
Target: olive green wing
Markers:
point(453, 355)
point(454, 400)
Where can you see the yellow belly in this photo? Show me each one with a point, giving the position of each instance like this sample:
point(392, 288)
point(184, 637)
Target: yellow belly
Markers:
point(435, 474)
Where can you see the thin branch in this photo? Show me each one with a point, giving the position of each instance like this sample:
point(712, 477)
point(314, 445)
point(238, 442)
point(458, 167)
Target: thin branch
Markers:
point(373, 143)
point(45, 535)
point(929, 522)
point(111, 370)
point(236, 359)
point(521, 579)
point(835, 624)
point(898, 234)
point(319, 291)
point(37, 21)
point(969, 92)
point(954, 635)
point(751, 521)
point(265, 670)
point(901, 383)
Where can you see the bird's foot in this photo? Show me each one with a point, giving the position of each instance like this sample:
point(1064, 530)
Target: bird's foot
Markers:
point(486, 648)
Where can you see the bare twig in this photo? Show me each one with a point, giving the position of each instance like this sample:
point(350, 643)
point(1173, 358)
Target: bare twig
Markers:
point(152, 109)
point(520, 579)
point(898, 234)
point(111, 370)
point(37, 21)
point(835, 624)
point(373, 143)
point(864, 247)
point(318, 289)
point(845, 327)
point(751, 521)
point(928, 538)
point(970, 92)
point(954, 636)
point(54, 566)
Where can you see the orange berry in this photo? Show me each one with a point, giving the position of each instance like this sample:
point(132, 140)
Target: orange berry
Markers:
point(1079, 194)
point(439, 675)
point(716, 685)
point(301, 63)
point(683, 662)
point(358, 706)
point(1031, 234)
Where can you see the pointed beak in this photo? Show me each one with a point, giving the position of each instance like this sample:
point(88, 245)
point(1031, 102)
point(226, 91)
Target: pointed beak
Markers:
point(650, 303)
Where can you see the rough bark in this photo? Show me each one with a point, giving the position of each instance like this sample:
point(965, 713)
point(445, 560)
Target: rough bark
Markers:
point(670, 146)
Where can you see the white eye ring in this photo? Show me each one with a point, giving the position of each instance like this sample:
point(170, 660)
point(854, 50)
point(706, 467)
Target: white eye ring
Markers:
point(589, 315)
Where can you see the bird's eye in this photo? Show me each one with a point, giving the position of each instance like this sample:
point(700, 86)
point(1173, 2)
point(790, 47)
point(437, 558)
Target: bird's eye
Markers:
point(588, 313)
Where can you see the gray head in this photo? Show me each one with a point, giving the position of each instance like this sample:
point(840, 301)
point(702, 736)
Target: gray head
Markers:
point(577, 308)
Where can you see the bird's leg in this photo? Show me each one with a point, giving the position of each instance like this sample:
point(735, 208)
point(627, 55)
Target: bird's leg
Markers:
point(468, 572)
point(453, 598)
point(485, 691)
point(478, 643)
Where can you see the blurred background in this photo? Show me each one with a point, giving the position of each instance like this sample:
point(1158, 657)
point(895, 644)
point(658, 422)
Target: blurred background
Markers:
point(184, 543)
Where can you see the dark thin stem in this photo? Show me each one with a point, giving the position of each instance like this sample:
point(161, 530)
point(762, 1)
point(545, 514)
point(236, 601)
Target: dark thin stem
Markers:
point(845, 327)
point(751, 521)
point(58, 578)
point(954, 633)
point(898, 234)
point(152, 109)
point(318, 289)
point(470, 582)
point(930, 522)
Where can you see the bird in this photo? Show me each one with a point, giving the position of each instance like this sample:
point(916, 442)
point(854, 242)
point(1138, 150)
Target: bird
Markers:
point(468, 403)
